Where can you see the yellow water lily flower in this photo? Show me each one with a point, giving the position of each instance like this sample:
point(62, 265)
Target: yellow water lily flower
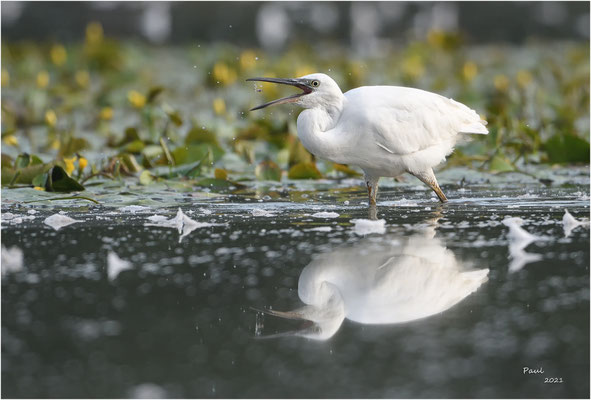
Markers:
point(10, 140)
point(69, 164)
point(106, 113)
point(413, 66)
point(219, 106)
point(42, 79)
point(50, 118)
point(82, 163)
point(58, 55)
point(248, 59)
point(304, 70)
point(501, 82)
point(38, 188)
point(136, 99)
point(94, 33)
point(469, 70)
point(224, 74)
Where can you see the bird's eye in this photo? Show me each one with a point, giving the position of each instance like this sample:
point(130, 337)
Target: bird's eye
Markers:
point(315, 83)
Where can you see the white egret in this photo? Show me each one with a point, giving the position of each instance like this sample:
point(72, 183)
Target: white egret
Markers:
point(384, 130)
point(394, 281)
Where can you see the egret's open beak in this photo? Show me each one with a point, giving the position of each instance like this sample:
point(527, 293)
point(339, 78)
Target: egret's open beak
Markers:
point(300, 84)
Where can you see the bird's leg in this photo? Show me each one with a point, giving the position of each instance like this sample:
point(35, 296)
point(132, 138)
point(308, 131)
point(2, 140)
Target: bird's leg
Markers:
point(428, 177)
point(372, 212)
point(372, 188)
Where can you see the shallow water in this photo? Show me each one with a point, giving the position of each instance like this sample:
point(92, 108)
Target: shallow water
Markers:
point(178, 318)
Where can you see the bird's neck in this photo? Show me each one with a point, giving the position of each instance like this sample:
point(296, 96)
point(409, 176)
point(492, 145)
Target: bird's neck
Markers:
point(316, 129)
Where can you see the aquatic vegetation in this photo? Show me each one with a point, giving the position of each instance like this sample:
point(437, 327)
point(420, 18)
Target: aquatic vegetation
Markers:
point(73, 114)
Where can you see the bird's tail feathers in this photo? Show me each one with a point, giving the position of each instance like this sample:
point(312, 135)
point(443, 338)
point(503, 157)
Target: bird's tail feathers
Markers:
point(476, 128)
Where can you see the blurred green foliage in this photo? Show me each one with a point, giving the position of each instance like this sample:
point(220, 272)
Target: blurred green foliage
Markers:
point(104, 109)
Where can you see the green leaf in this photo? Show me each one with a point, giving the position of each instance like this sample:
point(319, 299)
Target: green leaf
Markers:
point(500, 164)
point(153, 93)
point(35, 160)
point(131, 135)
point(74, 145)
point(346, 170)
point(268, 171)
point(195, 152)
point(40, 180)
point(567, 149)
point(25, 175)
point(298, 153)
point(199, 135)
point(131, 163)
point(167, 154)
point(135, 147)
point(7, 161)
point(220, 173)
point(304, 170)
point(173, 115)
point(218, 183)
point(22, 160)
point(59, 181)
point(146, 178)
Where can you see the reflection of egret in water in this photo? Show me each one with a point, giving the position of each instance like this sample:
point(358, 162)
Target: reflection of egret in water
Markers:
point(399, 279)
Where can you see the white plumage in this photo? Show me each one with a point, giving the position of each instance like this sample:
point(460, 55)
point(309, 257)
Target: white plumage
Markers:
point(396, 281)
point(384, 130)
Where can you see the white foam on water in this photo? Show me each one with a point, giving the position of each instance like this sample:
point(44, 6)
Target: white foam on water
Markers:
point(12, 260)
point(259, 212)
point(58, 221)
point(134, 209)
point(321, 229)
point(325, 215)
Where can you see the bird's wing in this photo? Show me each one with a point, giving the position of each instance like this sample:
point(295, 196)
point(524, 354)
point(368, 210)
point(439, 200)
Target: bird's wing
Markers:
point(405, 120)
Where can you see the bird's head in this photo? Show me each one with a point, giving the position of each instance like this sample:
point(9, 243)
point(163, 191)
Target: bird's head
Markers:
point(318, 90)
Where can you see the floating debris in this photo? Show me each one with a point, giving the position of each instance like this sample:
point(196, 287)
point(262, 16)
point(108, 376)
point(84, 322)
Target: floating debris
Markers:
point(134, 209)
point(115, 265)
point(325, 215)
point(181, 222)
point(321, 229)
point(259, 212)
point(367, 226)
point(58, 221)
point(569, 223)
point(519, 239)
point(12, 260)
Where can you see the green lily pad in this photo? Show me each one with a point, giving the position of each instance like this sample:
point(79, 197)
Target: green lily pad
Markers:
point(218, 183)
point(305, 170)
point(146, 178)
point(346, 170)
point(567, 148)
point(268, 171)
point(200, 135)
point(500, 163)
